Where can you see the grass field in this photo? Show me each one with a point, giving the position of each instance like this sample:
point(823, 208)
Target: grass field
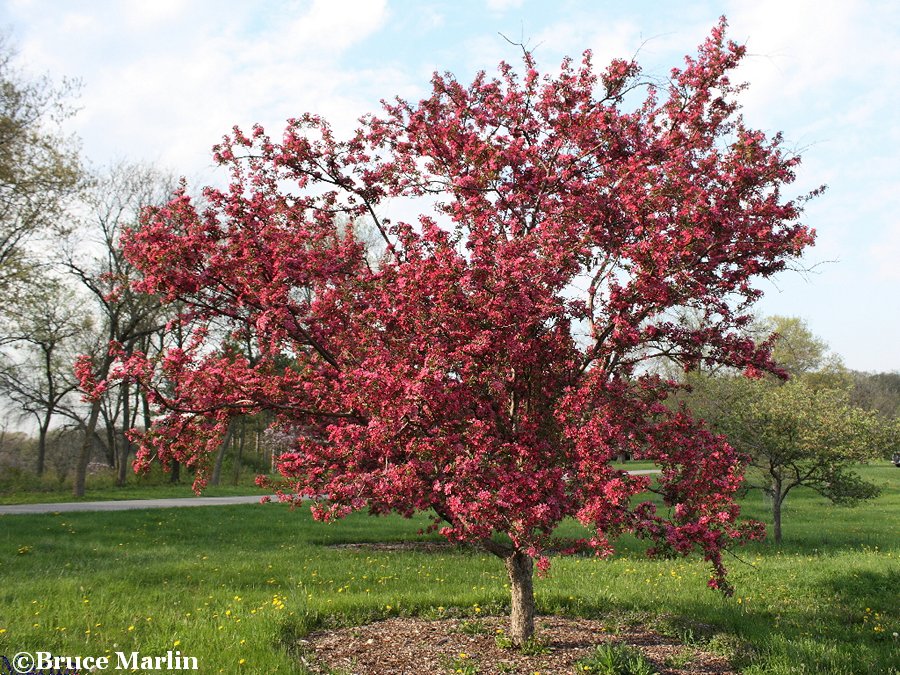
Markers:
point(25, 488)
point(235, 586)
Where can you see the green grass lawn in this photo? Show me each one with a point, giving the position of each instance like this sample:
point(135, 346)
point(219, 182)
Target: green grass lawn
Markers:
point(235, 586)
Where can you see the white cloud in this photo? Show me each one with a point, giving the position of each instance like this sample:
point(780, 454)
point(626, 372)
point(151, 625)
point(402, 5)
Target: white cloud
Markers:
point(75, 23)
point(329, 25)
point(829, 73)
point(164, 80)
point(796, 48)
point(141, 13)
point(886, 253)
point(608, 40)
point(503, 5)
point(806, 56)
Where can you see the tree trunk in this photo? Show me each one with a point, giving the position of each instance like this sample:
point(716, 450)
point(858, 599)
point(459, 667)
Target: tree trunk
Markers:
point(87, 445)
point(240, 454)
point(125, 449)
point(776, 519)
point(145, 404)
point(175, 468)
point(112, 447)
point(43, 427)
point(520, 568)
point(777, 499)
point(217, 468)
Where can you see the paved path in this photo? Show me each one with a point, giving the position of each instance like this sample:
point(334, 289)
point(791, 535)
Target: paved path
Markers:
point(127, 504)
point(177, 502)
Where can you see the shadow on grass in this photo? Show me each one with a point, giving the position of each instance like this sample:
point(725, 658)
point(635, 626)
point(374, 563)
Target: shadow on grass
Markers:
point(866, 587)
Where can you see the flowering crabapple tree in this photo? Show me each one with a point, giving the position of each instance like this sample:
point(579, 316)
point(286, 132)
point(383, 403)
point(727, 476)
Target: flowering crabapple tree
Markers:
point(489, 364)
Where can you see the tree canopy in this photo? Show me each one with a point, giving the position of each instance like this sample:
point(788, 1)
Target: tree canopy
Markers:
point(805, 432)
point(39, 164)
point(490, 365)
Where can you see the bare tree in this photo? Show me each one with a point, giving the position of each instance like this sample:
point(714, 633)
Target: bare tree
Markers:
point(42, 337)
point(127, 317)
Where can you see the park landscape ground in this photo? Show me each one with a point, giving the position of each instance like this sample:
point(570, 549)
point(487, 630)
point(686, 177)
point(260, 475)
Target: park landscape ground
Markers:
point(264, 589)
point(446, 369)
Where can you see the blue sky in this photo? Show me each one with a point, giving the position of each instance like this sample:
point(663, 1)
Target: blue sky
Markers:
point(164, 79)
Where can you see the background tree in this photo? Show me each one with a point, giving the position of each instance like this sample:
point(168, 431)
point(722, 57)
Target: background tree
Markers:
point(39, 165)
point(881, 392)
point(14, 445)
point(797, 350)
point(798, 435)
point(490, 366)
point(48, 329)
point(128, 318)
point(805, 432)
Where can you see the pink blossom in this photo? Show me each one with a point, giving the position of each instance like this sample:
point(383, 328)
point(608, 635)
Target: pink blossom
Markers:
point(450, 375)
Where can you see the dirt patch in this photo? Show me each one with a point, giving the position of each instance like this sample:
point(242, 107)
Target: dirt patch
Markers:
point(410, 646)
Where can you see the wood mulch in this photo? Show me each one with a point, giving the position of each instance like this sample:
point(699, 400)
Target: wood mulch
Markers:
point(391, 546)
point(414, 646)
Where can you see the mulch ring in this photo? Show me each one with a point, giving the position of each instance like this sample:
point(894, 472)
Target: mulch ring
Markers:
point(413, 646)
point(390, 546)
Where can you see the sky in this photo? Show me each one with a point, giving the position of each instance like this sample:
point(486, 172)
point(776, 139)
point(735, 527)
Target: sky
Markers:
point(163, 80)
